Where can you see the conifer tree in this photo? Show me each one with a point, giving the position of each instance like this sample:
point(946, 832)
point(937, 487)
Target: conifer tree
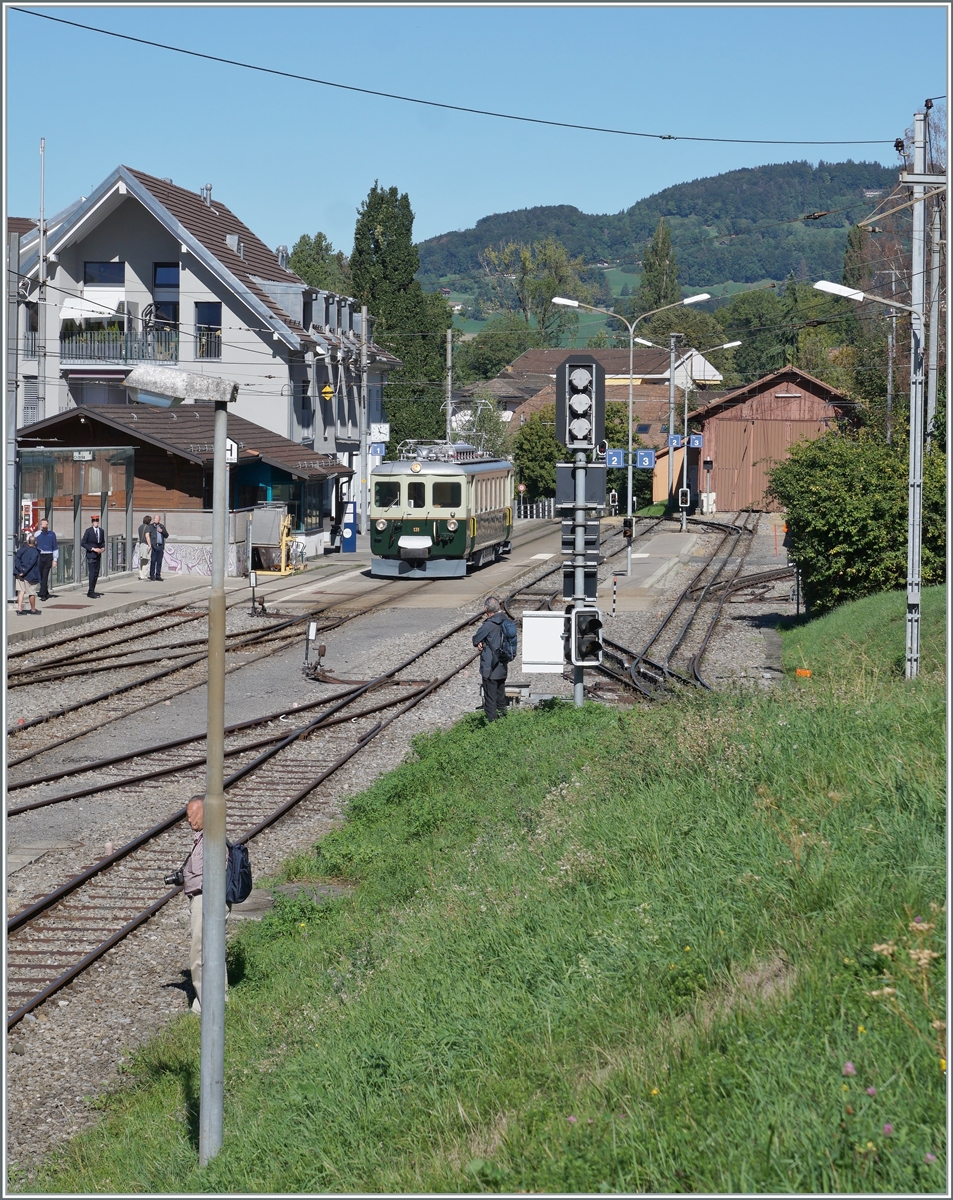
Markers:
point(659, 284)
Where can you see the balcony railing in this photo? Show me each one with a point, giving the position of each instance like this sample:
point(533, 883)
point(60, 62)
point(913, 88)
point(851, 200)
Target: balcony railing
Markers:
point(208, 343)
point(160, 345)
point(28, 348)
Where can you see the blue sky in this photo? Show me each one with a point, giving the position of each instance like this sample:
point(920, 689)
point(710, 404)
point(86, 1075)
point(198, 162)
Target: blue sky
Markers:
point(292, 157)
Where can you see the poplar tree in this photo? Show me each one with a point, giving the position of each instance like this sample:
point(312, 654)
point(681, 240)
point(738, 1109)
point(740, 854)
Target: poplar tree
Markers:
point(659, 284)
point(409, 322)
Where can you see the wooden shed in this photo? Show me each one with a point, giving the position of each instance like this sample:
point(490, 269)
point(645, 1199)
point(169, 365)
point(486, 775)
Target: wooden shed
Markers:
point(746, 432)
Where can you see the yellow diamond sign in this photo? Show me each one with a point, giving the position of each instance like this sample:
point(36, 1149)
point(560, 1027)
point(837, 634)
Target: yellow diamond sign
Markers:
point(327, 392)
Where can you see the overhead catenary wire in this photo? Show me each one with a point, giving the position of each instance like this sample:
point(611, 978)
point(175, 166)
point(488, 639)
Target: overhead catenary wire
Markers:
point(348, 87)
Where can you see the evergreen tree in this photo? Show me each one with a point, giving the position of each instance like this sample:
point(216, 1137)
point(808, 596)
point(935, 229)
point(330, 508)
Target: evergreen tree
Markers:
point(315, 261)
point(410, 322)
point(659, 284)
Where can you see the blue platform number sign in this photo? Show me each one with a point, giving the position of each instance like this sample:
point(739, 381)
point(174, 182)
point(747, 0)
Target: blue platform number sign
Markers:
point(645, 459)
point(349, 529)
point(675, 441)
point(377, 448)
point(615, 458)
point(696, 441)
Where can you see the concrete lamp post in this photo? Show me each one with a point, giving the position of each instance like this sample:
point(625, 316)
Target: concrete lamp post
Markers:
point(165, 387)
point(630, 325)
point(915, 473)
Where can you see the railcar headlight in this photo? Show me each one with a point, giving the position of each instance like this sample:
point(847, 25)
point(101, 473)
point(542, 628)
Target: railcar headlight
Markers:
point(452, 526)
point(380, 525)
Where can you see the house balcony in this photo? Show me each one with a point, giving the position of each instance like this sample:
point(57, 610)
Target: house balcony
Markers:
point(158, 345)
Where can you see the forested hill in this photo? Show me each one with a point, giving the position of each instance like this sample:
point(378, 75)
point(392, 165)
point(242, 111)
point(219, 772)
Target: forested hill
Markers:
point(701, 214)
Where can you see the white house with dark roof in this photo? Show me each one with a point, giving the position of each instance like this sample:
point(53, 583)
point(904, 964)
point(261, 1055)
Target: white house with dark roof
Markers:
point(142, 270)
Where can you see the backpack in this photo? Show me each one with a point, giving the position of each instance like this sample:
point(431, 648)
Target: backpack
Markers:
point(507, 650)
point(237, 874)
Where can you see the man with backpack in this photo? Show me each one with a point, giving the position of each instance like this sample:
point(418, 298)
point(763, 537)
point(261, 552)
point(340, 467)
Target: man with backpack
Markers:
point(496, 641)
point(238, 885)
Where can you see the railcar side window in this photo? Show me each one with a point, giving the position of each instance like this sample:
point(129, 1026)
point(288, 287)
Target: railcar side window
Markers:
point(446, 495)
point(387, 493)
point(415, 494)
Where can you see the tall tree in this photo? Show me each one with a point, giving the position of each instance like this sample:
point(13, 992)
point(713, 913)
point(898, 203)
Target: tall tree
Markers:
point(526, 278)
point(411, 323)
point(659, 284)
point(504, 338)
point(316, 262)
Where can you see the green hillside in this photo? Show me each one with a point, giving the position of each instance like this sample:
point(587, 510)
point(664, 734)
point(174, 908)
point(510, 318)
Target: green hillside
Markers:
point(742, 226)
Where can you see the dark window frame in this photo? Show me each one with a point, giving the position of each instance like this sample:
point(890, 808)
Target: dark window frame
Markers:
point(121, 265)
point(166, 266)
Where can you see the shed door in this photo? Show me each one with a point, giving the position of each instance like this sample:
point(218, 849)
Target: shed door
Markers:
point(731, 476)
point(772, 444)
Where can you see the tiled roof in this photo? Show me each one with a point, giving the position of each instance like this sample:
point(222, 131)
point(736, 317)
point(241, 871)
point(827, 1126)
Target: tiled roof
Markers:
point(189, 430)
point(795, 375)
point(20, 225)
point(645, 361)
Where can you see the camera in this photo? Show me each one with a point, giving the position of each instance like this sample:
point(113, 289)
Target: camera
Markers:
point(176, 879)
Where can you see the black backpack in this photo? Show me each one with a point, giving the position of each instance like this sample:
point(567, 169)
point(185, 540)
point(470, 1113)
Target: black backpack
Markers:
point(507, 650)
point(238, 882)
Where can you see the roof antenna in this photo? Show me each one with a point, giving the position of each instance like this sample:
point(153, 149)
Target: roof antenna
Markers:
point(207, 193)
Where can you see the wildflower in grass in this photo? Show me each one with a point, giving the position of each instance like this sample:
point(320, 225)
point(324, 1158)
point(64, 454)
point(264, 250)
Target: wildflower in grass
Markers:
point(861, 1029)
point(654, 1091)
point(871, 1091)
point(687, 949)
point(849, 1068)
point(942, 1064)
point(572, 1120)
point(888, 1129)
point(844, 1087)
point(929, 1159)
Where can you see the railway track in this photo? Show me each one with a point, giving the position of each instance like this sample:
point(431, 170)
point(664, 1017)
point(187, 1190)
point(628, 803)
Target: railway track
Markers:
point(59, 935)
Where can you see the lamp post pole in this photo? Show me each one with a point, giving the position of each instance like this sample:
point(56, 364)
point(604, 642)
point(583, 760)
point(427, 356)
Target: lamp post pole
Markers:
point(630, 326)
point(672, 337)
point(687, 389)
point(212, 1055)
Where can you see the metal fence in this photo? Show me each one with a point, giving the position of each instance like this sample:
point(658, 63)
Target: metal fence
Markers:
point(160, 345)
point(539, 510)
point(208, 343)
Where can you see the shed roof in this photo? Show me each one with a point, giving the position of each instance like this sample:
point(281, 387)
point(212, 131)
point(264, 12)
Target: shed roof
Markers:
point(794, 375)
point(189, 432)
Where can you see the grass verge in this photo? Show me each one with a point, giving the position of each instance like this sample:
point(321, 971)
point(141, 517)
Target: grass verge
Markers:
point(685, 948)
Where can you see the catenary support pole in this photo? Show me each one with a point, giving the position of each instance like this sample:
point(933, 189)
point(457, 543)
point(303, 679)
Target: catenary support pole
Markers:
point(212, 1056)
point(915, 478)
point(685, 453)
point(449, 386)
point(11, 499)
point(628, 511)
point(934, 322)
point(362, 423)
point(891, 346)
point(579, 562)
point(671, 410)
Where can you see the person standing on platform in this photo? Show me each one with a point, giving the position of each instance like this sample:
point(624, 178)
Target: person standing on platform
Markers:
point(159, 537)
point(26, 571)
point(145, 547)
point(49, 555)
point(489, 639)
point(94, 543)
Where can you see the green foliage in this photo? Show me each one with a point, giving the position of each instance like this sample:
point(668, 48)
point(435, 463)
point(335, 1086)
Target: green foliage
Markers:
point(504, 339)
point(315, 261)
point(617, 435)
point(846, 505)
point(484, 426)
point(741, 225)
point(527, 277)
point(536, 452)
point(410, 322)
point(659, 284)
point(422, 419)
point(580, 960)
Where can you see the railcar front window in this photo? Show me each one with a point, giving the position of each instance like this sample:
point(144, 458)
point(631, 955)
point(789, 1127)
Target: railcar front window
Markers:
point(387, 493)
point(446, 495)
point(415, 494)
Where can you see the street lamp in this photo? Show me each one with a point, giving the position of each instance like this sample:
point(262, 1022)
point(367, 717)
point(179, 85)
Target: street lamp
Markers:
point(166, 387)
point(915, 474)
point(630, 325)
point(723, 346)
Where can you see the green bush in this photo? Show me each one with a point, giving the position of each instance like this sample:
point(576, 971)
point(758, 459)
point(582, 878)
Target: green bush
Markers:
point(846, 505)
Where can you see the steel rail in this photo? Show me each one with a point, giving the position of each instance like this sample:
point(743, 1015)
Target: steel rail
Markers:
point(21, 919)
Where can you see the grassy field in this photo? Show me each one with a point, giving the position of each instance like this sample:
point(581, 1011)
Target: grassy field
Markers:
point(600, 951)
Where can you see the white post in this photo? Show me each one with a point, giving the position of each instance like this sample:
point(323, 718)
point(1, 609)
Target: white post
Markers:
point(362, 424)
point(671, 409)
point(41, 295)
point(934, 324)
point(13, 384)
point(449, 386)
point(685, 454)
point(891, 343)
point(915, 478)
point(212, 1054)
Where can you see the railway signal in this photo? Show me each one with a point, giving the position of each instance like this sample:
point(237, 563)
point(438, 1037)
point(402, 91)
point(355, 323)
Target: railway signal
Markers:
point(627, 527)
point(586, 645)
point(581, 403)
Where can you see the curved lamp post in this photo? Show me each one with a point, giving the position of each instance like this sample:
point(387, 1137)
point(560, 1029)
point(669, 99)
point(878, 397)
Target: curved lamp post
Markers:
point(630, 325)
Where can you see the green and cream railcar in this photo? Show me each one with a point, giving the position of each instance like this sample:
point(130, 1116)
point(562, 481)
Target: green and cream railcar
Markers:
point(435, 514)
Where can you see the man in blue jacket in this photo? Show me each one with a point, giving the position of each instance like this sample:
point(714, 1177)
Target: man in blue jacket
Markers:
point(49, 553)
point(488, 639)
point(26, 571)
point(94, 543)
